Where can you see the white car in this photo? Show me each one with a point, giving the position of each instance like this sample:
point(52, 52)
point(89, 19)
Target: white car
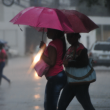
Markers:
point(12, 52)
point(100, 53)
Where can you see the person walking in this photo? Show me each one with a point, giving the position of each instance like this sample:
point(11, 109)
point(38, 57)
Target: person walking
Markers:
point(56, 77)
point(79, 53)
point(3, 57)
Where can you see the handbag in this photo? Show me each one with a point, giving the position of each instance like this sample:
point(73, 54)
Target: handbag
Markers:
point(81, 75)
point(41, 67)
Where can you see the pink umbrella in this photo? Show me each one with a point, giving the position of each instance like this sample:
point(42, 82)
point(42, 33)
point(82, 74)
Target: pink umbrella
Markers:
point(42, 17)
point(80, 22)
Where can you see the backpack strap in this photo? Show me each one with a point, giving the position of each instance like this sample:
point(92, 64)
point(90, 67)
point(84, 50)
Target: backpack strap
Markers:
point(79, 49)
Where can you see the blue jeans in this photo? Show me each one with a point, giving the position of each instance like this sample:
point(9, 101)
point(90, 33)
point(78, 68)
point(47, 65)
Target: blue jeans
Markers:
point(82, 94)
point(2, 65)
point(52, 91)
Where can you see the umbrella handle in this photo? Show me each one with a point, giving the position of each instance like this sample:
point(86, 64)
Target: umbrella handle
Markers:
point(42, 34)
point(42, 38)
point(19, 27)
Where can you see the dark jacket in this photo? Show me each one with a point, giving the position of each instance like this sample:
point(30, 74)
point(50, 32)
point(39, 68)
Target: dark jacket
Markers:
point(81, 60)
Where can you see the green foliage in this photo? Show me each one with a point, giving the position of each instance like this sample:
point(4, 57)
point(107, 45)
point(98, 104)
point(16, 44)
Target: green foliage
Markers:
point(90, 3)
point(107, 3)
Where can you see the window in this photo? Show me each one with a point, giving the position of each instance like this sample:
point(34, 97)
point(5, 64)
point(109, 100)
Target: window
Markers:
point(104, 47)
point(103, 32)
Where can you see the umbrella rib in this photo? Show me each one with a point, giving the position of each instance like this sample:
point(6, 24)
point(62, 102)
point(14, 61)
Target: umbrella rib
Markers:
point(39, 17)
point(59, 20)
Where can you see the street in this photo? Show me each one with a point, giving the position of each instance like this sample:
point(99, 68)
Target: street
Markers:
point(26, 91)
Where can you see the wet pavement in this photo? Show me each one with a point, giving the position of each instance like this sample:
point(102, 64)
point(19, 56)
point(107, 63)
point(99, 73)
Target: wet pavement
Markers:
point(26, 91)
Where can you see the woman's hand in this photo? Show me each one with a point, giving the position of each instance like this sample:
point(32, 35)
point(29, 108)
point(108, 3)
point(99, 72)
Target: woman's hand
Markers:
point(42, 43)
point(65, 63)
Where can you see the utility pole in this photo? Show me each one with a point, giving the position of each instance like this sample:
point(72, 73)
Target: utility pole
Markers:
point(88, 42)
point(102, 33)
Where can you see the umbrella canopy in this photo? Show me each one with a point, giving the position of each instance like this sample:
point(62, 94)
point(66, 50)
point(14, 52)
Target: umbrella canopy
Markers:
point(80, 22)
point(42, 17)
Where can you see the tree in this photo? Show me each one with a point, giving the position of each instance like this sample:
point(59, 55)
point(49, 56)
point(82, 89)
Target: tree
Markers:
point(54, 4)
point(97, 2)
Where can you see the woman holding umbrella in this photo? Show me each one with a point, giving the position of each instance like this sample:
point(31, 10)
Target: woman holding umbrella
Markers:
point(80, 24)
point(55, 23)
point(56, 77)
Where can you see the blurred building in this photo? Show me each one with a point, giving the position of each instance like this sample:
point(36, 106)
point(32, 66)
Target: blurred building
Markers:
point(25, 41)
point(9, 32)
point(21, 42)
point(100, 34)
point(99, 14)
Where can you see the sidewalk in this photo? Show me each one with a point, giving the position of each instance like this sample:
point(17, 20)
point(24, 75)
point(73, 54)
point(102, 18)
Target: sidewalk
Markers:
point(26, 91)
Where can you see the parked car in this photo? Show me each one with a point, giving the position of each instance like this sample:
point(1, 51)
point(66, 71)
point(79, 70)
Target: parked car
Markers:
point(12, 52)
point(100, 53)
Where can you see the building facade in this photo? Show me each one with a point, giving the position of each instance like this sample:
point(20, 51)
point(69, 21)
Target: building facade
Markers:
point(9, 32)
point(23, 41)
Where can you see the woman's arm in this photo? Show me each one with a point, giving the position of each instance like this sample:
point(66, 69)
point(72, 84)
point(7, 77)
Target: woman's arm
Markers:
point(52, 55)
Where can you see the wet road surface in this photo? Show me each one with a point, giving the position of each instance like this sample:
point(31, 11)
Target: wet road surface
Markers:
point(26, 91)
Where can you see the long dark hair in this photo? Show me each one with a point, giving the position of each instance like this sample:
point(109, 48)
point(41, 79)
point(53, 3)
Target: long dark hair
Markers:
point(62, 37)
